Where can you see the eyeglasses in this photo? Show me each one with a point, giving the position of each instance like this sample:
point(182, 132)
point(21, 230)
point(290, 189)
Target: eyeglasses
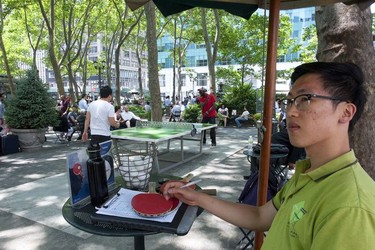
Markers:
point(302, 102)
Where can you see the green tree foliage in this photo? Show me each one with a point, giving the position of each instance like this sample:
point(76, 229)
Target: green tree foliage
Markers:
point(310, 39)
point(244, 40)
point(31, 107)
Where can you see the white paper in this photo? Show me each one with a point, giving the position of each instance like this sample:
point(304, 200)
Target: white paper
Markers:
point(120, 206)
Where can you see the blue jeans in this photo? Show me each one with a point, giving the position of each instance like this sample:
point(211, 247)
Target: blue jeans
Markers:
point(238, 120)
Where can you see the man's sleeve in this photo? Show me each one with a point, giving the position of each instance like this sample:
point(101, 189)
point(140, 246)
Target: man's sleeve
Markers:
point(346, 228)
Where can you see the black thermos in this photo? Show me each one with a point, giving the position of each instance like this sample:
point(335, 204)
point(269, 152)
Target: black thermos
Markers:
point(97, 176)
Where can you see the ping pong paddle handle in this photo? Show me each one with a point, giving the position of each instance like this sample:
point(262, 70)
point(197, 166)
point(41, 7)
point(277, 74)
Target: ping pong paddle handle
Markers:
point(152, 187)
point(188, 177)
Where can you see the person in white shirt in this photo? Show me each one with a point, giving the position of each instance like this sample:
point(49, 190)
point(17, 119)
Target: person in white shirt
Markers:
point(175, 112)
point(147, 107)
point(100, 117)
point(128, 117)
point(243, 117)
point(82, 104)
point(224, 111)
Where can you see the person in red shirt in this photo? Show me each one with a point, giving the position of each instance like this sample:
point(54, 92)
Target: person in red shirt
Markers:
point(208, 104)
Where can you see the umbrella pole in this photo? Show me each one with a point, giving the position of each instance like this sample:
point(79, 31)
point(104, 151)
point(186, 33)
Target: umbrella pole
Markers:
point(269, 97)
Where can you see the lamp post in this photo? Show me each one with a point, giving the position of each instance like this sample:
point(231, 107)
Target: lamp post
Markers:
point(99, 66)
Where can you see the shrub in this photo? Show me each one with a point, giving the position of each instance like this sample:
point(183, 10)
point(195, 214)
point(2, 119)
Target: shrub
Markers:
point(192, 113)
point(138, 110)
point(31, 107)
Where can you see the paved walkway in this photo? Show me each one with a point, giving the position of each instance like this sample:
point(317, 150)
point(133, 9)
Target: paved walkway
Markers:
point(33, 188)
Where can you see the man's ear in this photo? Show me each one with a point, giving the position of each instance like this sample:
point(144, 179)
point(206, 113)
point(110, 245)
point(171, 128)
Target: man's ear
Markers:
point(347, 112)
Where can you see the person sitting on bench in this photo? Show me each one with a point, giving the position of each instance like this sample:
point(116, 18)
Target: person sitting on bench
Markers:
point(243, 117)
point(129, 117)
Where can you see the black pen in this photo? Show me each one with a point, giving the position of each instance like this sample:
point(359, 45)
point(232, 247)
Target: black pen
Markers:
point(111, 201)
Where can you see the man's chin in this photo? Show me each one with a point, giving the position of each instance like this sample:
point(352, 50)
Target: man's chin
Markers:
point(296, 143)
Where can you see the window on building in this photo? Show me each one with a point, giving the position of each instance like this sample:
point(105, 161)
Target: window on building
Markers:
point(127, 53)
point(183, 80)
point(93, 49)
point(202, 79)
point(169, 62)
point(296, 34)
point(224, 61)
point(162, 80)
point(281, 58)
point(168, 46)
point(190, 61)
point(202, 62)
point(201, 46)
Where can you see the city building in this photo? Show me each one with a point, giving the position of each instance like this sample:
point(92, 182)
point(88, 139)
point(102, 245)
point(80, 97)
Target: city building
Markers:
point(128, 70)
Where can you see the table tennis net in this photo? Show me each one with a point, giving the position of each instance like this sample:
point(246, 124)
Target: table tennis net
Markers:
point(155, 124)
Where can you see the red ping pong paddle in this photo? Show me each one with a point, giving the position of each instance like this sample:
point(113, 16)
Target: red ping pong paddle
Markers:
point(151, 204)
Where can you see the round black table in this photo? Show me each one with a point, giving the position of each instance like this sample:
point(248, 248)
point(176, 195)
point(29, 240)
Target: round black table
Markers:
point(80, 217)
point(253, 158)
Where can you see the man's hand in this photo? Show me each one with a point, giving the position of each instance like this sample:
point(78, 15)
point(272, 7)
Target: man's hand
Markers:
point(85, 136)
point(117, 125)
point(186, 195)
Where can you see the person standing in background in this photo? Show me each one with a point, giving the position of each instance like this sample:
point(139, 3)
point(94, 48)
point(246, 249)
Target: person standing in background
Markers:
point(208, 104)
point(100, 117)
point(167, 104)
point(147, 107)
point(82, 104)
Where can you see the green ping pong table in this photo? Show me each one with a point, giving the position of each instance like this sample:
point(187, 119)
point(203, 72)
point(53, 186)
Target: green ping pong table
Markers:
point(154, 133)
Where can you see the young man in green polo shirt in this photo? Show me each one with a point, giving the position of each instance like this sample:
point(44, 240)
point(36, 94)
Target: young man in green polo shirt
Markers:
point(329, 203)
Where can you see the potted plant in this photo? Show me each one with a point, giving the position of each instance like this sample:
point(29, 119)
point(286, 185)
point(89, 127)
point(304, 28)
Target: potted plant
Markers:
point(30, 111)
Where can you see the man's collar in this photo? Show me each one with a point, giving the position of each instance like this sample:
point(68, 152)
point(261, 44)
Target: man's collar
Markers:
point(339, 163)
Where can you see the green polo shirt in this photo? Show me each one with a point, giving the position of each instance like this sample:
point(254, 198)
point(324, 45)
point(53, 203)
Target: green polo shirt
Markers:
point(332, 207)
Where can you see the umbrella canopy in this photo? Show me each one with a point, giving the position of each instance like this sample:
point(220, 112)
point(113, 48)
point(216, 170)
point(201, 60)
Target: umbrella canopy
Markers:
point(242, 8)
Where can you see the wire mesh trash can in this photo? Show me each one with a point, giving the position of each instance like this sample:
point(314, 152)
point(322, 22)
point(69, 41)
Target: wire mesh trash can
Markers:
point(134, 161)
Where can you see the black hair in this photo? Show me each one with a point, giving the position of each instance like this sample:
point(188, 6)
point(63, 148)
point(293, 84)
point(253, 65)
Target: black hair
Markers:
point(105, 92)
point(344, 81)
point(83, 95)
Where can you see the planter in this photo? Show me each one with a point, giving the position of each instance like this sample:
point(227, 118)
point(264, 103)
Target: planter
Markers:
point(30, 139)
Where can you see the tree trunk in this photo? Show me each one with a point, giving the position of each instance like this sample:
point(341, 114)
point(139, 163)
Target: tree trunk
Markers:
point(50, 24)
point(211, 47)
point(7, 67)
point(345, 35)
point(153, 62)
